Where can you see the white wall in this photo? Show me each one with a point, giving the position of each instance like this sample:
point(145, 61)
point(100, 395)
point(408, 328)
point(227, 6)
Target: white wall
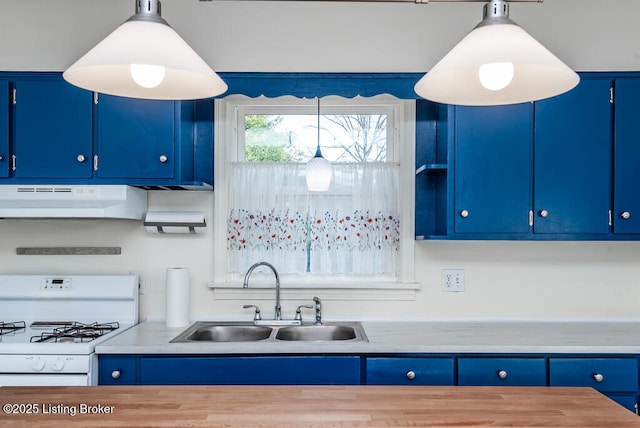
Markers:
point(504, 279)
point(589, 35)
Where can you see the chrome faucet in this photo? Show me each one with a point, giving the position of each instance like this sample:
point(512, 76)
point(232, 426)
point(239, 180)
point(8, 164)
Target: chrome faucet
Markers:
point(245, 284)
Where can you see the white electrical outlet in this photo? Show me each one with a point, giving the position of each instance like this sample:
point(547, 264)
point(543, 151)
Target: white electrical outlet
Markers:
point(452, 279)
point(140, 275)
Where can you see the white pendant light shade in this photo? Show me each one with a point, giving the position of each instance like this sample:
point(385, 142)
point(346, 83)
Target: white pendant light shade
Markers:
point(319, 173)
point(496, 63)
point(145, 58)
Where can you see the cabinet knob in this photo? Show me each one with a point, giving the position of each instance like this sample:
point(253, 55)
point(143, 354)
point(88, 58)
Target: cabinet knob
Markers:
point(1, 157)
point(626, 215)
point(502, 374)
point(163, 158)
point(598, 377)
point(115, 374)
point(81, 158)
point(544, 213)
point(411, 375)
point(464, 213)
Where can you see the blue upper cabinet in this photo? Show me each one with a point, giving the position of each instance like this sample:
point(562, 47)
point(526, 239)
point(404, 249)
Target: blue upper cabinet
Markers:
point(56, 133)
point(4, 128)
point(573, 159)
point(134, 138)
point(626, 203)
point(493, 162)
point(52, 132)
point(565, 168)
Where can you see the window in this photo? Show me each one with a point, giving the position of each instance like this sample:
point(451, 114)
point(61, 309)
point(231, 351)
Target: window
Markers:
point(361, 228)
point(347, 134)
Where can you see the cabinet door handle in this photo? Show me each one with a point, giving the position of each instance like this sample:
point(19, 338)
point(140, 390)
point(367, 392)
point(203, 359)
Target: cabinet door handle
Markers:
point(544, 213)
point(163, 158)
point(598, 377)
point(115, 374)
point(502, 374)
point(626, 215)
point(411, 375)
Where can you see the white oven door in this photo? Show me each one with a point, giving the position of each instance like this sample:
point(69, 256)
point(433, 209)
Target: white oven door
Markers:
point(44, 380)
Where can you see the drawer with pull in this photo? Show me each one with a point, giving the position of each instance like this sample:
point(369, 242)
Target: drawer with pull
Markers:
point(502, 371)
point(603, 374)
point(410, 371)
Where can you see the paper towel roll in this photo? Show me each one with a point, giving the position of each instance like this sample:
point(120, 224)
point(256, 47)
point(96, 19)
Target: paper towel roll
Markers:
point(177, 280)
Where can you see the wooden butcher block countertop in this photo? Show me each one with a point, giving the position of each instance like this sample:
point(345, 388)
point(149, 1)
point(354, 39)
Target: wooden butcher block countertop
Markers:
point(310, 406)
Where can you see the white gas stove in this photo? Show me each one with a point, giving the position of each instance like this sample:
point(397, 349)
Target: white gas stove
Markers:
point(51, 324)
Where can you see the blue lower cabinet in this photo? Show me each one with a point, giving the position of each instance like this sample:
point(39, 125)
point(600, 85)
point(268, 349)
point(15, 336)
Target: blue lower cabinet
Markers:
point(502, 371)
point(410, 371)
point(296, 370)
point(117, 370)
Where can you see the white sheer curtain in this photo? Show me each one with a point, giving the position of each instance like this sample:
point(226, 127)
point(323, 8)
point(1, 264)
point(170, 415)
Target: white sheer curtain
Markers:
point(351, 229)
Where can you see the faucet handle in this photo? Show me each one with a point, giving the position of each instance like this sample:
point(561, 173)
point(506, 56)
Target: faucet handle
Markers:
point(256, 316)
point(298, 316)
point(318, 305)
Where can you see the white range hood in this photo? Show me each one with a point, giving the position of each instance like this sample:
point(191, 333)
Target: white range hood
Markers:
point(71, 201)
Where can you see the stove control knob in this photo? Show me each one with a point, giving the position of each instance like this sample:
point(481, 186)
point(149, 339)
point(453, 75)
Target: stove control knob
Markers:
point(37, 364)
point(58, 364)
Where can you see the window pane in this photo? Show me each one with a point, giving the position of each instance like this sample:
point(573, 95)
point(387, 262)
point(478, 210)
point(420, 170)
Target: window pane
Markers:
point(294, 138)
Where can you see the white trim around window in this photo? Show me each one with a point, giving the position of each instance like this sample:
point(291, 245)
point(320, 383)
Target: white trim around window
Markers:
point(227, 142)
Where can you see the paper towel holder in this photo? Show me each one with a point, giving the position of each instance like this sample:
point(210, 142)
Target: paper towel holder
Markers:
point(169, 222)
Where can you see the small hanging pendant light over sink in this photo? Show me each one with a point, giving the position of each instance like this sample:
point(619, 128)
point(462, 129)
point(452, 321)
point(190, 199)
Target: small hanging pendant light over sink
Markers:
point(319, 171)
point(145, 58)
point(496, 63)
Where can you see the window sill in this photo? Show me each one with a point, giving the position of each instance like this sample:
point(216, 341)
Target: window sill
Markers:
point(328, 291)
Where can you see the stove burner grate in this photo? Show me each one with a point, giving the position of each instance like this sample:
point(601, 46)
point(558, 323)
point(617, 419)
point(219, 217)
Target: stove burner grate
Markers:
point(9, 327)
point(76, 332)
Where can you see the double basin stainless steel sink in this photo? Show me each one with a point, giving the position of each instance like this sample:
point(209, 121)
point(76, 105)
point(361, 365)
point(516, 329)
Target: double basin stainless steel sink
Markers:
point(213, 331)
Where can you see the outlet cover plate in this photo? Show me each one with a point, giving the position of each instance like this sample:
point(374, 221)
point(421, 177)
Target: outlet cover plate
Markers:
point(453, 280)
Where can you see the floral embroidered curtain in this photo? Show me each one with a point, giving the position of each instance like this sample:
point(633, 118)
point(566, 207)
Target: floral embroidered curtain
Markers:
point(351, 229)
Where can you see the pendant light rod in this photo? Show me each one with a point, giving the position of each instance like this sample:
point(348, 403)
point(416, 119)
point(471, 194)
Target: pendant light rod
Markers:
point(318, 152)
point(148, 10)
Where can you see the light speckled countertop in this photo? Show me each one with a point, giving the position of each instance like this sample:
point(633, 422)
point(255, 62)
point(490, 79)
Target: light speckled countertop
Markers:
point(408, 337)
